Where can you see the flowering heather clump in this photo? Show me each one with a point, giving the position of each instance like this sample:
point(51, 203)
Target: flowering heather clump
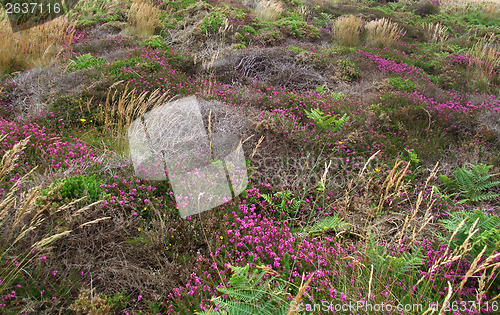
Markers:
point(389, 66)
point(258, 240)
point(44, 149)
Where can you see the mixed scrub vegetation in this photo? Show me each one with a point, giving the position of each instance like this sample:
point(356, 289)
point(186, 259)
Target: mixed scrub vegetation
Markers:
point(371, 131)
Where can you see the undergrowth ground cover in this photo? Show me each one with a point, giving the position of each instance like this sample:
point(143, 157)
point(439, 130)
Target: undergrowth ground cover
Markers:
point(372, 143)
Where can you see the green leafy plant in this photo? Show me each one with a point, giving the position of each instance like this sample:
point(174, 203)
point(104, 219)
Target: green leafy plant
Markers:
point(322, 19)
point(118, 301)
point(401, 84)
point(483, 230)
point(347, 70)
point(472, 184)
point(115, 68)
point(285, 202)
point(321, 88)
point(327, 121)
point(75, 187)
point(338, 96)
point(385, 263)
point(413, 157)
point(414, 161)
point(249, 293)
point(212, 22)
point(154, 42)
point(85, 61)
point(333, 222)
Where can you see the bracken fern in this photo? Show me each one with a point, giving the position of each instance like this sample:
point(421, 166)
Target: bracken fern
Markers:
point(488, 230)
point(472, 185)
point(252, 294)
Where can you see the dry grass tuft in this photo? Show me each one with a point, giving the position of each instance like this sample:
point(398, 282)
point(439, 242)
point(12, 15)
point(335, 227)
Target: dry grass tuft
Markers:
point(22, 221)
point(487, 54)
point(34, 47)
point(144, 17)
point(394, 182)
point(347, 30)
point(491, 10)
point(268, 10)
point(435, 33)
point(480, 264)
point(383, 33)
point(122, 107)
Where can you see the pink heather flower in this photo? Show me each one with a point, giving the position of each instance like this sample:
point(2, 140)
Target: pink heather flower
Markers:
point(343, 297)
point(139, 298)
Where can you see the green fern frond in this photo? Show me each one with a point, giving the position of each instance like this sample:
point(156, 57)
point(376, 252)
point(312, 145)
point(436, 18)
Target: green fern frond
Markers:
point(327, 121)
point(249, 293)
point(333, 222)
point(488, 227)
point(472, 184)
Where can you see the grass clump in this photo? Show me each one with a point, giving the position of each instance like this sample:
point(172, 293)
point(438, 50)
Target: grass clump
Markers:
point(435, 33)
point(33, 47)
point(268, 10)
point(85, 61)
point(347, 30)
point(22, 230)
point(144, 17)
point(383, 33)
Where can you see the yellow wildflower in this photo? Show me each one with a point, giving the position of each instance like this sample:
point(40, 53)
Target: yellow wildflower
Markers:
point(377, 170)
point(83, 120)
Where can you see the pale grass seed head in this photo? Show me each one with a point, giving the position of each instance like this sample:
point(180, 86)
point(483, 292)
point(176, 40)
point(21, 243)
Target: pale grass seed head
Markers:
point(36, 46)
point(144, 18)
point(487, 53)
point(268, 10)
point(383, 33)
point(347, 30)
point(435, 33)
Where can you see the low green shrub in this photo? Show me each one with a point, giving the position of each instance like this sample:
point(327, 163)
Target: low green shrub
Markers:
point(85, 61)
point(75, 187)
point(425, 7)
point(402, 84)
point(347, 70)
